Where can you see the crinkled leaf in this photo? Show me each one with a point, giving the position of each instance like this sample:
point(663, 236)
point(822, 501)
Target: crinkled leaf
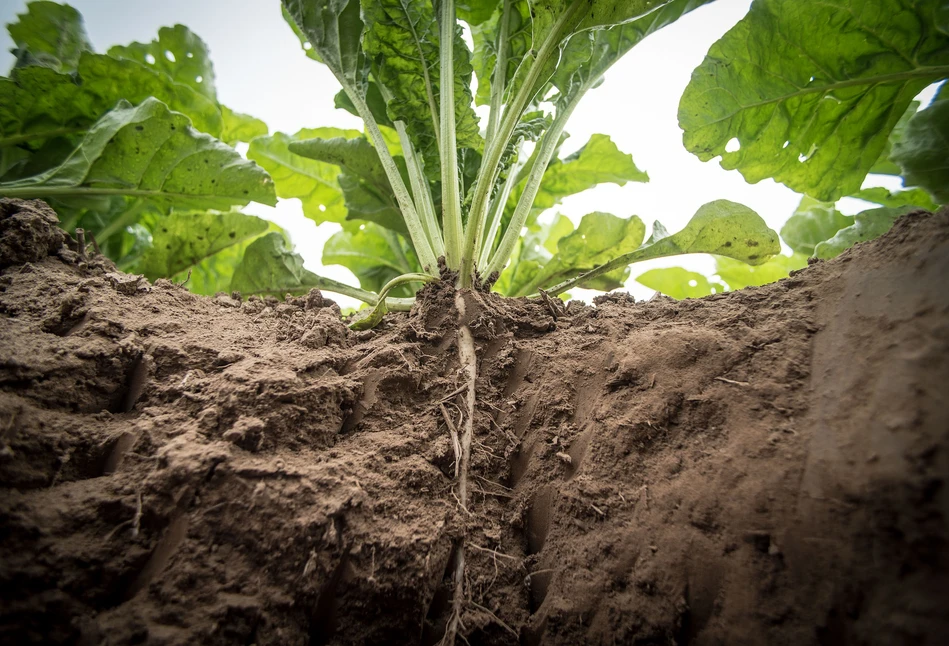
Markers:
point(598, 162)
point(812, 223)
point(269, 267)
point(679, 283)
point(374, 254)
point(241, 127)
point(53, 33)
point(402, 43)
point(739, 275)
point(811, 91)
point(186, 239)
point(923, 151)
point(179, 53)
point(915, 197)
point(314, 183)
point(333, 28)
point(866, 226)
point(884, 165)
point(42, 103)
point(150, 151)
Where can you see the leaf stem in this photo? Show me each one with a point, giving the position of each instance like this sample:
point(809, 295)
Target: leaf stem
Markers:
point(546, 150)
point(30, 136)
point(499, 82)
point(412, 221)
point(500, 202)
point(448, 154)
point(421, 189)
point(492, 158)
point(119, 223)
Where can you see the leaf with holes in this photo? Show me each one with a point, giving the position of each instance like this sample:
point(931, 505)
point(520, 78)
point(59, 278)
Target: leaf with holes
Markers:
point(811, 91)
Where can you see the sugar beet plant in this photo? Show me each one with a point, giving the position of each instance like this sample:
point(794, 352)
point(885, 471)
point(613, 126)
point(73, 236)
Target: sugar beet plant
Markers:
point(134, 146)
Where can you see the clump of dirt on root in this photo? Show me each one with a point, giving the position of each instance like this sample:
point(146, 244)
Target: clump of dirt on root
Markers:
point(764, 466)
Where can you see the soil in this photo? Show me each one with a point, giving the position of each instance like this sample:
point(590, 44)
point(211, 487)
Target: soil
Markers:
point(760, 467)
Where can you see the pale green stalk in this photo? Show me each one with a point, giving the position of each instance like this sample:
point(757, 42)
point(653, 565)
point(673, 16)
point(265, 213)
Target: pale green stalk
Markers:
point(493, 153)
point(546, 150)
point(451, 200)
point(499, 82)
point(412, 221)
point(498, 213)
point(420, 186)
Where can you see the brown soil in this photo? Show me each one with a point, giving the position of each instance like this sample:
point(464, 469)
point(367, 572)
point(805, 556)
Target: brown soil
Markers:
point(761, 467)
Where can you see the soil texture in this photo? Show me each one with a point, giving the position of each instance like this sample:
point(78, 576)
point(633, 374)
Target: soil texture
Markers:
point(760, 467)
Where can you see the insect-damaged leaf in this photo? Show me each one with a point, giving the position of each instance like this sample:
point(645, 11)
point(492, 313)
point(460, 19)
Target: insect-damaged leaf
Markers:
point(813, 107)
point(186, 239)
point(40, 103)
point(179, 53)
point(333, 29)
point(149, 151)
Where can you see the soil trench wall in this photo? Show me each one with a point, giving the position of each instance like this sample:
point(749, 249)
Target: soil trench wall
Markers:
point(760, 467)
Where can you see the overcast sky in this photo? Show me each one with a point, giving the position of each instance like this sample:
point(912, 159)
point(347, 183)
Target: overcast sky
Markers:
point(261, 70)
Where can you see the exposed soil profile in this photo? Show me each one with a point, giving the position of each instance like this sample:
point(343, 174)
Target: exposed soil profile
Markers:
point(760, 467)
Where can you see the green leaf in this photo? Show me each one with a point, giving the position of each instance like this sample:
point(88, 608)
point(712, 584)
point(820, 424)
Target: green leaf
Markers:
point(922, 151)
point(186, 239)
point(41, 103)
point(679, 283)
point(739, 275)
point(53, 33)
point(589, 54)
point(314, 183)
point(599, 238)
point(149, 151)
point(915, 197)
point(884, 165)
point(867, 226)
point(241, 127)
point(269, 267)
point(302, 37)
point(333, 28)
point(597, 162)
point(374, 254)
point(475, 12)
point(402, 43)
point(811, 223)
point(178, 53)
point(811, 91)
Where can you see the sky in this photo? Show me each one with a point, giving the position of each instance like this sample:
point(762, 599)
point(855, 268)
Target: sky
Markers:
point(261, 70)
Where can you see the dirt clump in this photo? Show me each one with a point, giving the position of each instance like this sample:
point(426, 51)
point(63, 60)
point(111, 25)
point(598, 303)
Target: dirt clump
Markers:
point(765, 466)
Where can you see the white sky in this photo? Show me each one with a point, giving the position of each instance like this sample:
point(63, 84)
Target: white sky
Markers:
point(261, 70)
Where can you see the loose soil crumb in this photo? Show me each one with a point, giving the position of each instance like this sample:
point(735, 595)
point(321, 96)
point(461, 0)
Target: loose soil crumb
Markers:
point(760, 467)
